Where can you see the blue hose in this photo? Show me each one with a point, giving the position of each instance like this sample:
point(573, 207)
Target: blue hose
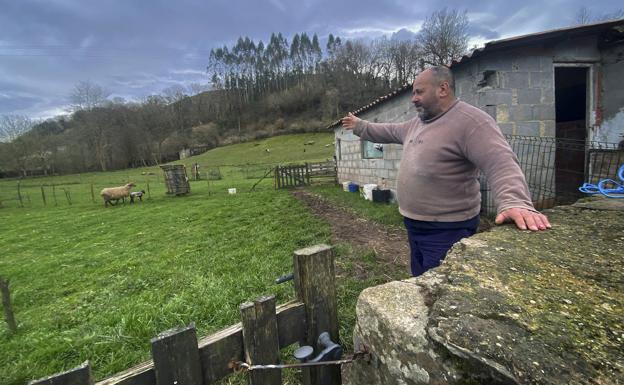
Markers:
point(616, 191)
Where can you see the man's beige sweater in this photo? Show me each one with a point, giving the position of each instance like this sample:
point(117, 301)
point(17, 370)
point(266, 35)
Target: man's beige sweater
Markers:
point(437, 178)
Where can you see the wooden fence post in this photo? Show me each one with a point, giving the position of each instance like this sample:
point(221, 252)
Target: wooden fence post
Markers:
point(6, 305)
point(77, 376)
point(176, 357)
point(260, 339)
point(316, 288)
point(19, 194)
point(54, 195)
point(92, 194)
point(43, 196)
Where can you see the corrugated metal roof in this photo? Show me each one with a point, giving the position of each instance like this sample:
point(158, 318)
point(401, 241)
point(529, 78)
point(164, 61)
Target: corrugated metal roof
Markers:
point(405, 87)
point(540, 37)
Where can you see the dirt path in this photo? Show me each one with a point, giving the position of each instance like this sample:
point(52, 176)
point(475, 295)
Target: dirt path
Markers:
point(389, 244)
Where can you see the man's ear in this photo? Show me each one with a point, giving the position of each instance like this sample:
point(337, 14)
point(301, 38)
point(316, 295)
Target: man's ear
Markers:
point(444, 89)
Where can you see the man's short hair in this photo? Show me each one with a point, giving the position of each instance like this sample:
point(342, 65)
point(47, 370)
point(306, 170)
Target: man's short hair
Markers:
point(443, 74)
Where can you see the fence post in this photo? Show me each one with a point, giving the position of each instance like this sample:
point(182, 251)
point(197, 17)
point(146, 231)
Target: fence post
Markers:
point(6, 305)
point(54, 194)
point(92, 194)
point(19, 194)
point(315, 287)
point(43, 196)
point(176, 357)
point(149, 194)
point(260, 339)
point(77, 376)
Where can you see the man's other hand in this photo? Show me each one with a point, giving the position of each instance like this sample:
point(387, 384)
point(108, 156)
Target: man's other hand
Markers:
point(524, 219)
point(350, 121)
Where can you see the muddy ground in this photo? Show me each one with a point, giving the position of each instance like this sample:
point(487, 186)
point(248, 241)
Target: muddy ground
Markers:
point(388, 243)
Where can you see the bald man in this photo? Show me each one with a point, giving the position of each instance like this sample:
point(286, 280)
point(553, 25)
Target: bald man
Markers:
point(437, 187)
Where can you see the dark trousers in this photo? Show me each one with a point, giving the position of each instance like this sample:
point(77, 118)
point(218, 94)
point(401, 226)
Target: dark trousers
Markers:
point(428, 246)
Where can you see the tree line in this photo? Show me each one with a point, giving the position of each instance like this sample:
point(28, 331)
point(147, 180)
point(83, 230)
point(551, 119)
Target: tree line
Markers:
point(255, 90)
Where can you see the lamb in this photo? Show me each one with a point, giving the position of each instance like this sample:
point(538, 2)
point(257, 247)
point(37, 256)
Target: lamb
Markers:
point(137, 194)
point(111, 194)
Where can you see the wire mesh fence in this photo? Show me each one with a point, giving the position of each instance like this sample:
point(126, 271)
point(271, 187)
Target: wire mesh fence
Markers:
point(555, 168)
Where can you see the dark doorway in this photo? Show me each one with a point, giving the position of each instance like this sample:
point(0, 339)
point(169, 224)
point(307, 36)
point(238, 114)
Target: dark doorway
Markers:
point(571, 131)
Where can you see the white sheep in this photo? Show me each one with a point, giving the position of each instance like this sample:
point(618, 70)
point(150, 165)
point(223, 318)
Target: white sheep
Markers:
point(111, 194)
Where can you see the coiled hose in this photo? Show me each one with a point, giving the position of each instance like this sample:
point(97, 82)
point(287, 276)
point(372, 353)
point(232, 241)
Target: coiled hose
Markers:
point(616, 190)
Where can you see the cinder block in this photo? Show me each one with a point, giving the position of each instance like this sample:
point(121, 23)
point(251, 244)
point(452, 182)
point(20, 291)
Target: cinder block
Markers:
point(527, 63)
point(515, 79)
point(544, 112)
point(507, 128)
point(495, 63)
point(501, 113)
point(548, 95)
point(491, 110)
point(548, 128)
point(494, 97)
point(528, 128)
point(541, 79)
point(529, 96)
point(520, 113)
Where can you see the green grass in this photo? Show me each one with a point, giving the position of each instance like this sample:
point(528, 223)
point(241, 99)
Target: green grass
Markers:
point(282, 149)
point(383, 213)
point(98, 284)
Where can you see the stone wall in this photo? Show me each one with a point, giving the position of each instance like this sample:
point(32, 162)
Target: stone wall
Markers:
point(506, 307)
point(352, 167)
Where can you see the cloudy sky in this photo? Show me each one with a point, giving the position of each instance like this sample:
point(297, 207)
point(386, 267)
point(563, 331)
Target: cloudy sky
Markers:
point(134, 48)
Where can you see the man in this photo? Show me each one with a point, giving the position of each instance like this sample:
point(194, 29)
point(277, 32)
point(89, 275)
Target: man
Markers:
point(443, 149)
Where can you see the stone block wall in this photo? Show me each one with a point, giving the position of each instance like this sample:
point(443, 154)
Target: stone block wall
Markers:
point(352, 167)
point(515, 87)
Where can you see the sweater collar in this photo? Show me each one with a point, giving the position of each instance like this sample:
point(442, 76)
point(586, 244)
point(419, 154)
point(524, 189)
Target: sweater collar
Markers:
point(442, 114)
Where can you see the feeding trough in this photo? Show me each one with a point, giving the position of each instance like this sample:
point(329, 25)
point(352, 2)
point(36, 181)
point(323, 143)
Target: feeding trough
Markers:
point(176, 180)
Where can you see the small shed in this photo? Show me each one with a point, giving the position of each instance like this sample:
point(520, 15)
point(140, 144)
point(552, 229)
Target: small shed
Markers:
point(176, 180)
point(556, 95)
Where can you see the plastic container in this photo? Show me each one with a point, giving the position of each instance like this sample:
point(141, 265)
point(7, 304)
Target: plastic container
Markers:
point(381, 196)
point(354, 187)
point(345, 185)
point(367, 191)
point(232, 191)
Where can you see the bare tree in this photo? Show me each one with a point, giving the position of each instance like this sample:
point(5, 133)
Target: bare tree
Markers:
point(585, 16)
point(12, 126)
point(86, 95)
point(444, 37)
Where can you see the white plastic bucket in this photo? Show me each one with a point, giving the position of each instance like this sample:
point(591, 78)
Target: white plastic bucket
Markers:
point(345, 185)
point(232, 191)
point(367, 191)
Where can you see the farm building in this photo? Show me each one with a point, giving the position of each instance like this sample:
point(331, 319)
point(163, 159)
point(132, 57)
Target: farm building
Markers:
point(558, 96)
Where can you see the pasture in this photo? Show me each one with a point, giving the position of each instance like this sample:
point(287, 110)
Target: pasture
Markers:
point(98, 283)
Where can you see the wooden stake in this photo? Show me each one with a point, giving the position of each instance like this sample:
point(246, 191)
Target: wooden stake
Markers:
point(6, 305)
point(43, 196)
point(19, 195)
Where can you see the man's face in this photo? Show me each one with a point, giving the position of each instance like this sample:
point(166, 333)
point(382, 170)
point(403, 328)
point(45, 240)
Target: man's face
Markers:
point(425, 96)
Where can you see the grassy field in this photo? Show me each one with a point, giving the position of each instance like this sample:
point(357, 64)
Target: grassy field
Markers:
point(98, 284)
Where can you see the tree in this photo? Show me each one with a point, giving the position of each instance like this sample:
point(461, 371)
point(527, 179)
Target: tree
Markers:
point(444, 37)
point(584, 16)
point(12, 126)
point(86, 95)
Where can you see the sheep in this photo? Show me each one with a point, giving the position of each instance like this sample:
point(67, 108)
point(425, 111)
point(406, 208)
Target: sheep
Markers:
point(111, 194)
point(137, 194)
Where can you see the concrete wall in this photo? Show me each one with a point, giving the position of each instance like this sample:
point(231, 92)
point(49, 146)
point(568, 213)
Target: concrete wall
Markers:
point(611, 120)
point(351, 166)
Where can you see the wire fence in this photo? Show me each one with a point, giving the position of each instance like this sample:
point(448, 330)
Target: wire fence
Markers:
point(555, 168)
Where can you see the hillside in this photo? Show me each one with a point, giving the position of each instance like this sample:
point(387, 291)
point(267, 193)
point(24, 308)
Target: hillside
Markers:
point(277, 149)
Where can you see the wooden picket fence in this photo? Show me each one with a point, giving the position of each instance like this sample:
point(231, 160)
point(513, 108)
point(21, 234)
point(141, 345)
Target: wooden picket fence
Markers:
point(298, 175)
point(179, 358)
